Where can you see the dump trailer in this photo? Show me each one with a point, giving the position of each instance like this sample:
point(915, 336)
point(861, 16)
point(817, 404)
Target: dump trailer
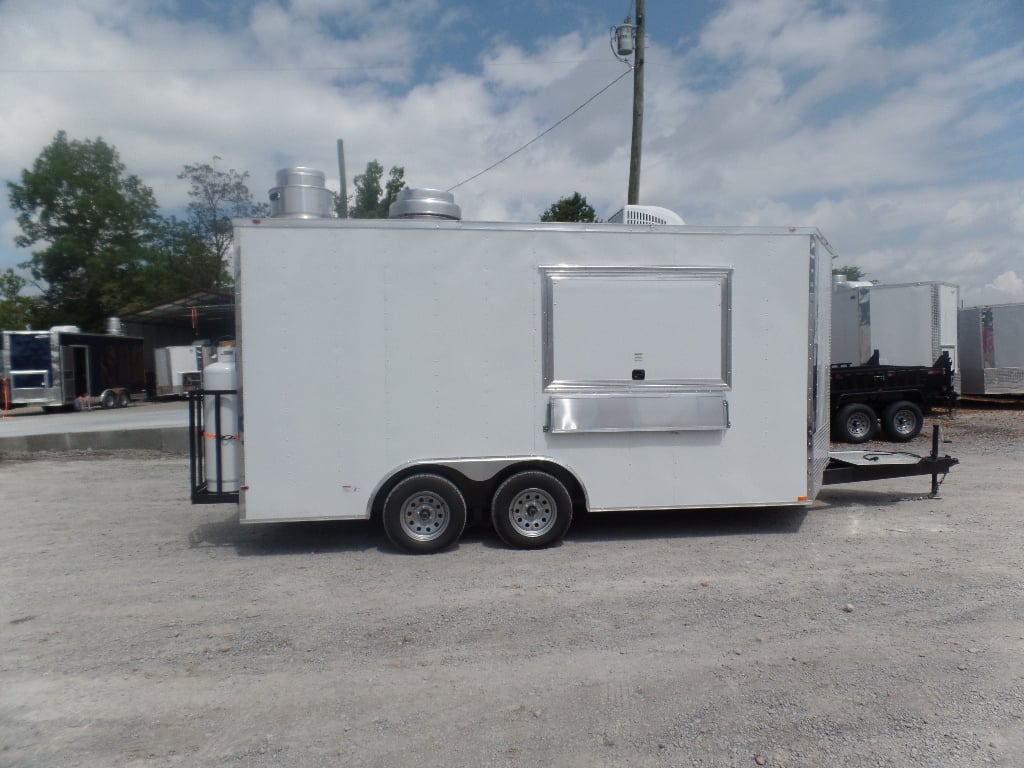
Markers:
point(894, 351)
point(441, 371)
point(64, 367)
point(893, 397)
point(992, 350)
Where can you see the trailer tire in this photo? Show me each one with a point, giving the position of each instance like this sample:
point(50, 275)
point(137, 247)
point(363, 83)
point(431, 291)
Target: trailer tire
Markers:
point(531, 510)
point(109, 400)
point(855, 423)
point(123, 399)
point(902, 421)
point(424, 513)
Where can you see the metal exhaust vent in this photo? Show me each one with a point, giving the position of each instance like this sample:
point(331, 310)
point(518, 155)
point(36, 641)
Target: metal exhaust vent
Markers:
point(301, 194)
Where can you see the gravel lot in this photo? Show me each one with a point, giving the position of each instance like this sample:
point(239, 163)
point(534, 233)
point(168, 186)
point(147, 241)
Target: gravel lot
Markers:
point(878, 628)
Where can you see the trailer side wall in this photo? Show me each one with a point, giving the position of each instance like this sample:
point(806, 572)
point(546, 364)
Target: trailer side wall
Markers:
point(365, 347)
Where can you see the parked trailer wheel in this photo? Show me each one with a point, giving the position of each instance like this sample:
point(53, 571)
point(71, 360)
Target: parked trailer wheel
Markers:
point(902, 421)
point(855, 423)
point(424, 513)
point(109, 399)
point(123, 399)
point(531, 510)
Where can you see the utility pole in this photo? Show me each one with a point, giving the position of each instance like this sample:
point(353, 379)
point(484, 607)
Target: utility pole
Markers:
point(342, 205)
point(633, 195)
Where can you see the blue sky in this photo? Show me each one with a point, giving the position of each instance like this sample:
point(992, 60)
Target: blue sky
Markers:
point(896, 127)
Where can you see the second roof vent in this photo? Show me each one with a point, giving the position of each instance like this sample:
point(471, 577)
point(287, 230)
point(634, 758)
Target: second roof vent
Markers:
point(425, 204)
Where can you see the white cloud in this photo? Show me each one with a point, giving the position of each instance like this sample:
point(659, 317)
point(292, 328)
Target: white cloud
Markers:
point(788, 33)
point(1009, 283)
point(776, 112)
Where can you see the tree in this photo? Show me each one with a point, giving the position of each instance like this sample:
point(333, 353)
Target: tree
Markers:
point(572, 208)
point(182, 262)
point(369, 204)
point(97, 224)
point(202, 242)
point(16, 310)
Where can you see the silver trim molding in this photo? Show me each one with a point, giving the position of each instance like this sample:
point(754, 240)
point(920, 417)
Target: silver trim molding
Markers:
point(676, 412)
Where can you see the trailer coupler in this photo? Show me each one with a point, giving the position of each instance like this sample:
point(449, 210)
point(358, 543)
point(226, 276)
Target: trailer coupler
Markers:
point(862, 466)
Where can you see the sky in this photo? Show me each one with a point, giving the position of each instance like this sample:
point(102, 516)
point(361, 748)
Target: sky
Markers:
point(896, 127)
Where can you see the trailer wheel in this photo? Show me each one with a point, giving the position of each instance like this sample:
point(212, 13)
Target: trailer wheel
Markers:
point(855, 423)
point(902, 421)
point(123, 399)
point(109, 400)
point(424, 513)
point(531, 510)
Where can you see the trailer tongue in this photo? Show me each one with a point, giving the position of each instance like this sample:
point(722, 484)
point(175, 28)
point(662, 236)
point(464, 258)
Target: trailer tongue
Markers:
point(862, 466)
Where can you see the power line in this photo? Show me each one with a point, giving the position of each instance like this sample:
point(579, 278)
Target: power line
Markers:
point(230, 70)
point(540, 135)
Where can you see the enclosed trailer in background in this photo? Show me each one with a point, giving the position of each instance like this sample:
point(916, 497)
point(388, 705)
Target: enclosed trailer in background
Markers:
point(440, 371)
point(179, 369)
point(908, 323)
point(914, 323)
point(992, 350)
point(62, 366)
point(851, 322)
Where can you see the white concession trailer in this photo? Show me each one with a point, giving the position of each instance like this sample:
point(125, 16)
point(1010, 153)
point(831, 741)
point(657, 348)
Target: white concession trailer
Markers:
point(438, 370)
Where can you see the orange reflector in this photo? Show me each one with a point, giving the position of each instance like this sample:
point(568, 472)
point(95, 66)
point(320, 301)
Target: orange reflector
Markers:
point(801, 498)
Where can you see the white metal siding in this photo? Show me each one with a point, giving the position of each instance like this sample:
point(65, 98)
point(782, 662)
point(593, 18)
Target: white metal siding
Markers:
point(366, 347)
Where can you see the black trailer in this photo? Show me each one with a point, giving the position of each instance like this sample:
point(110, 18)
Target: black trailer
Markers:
point(897, 396)
point(64, 367)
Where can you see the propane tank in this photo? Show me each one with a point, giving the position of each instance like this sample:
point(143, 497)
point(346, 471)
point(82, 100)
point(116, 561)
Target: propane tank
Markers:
point(218, 376)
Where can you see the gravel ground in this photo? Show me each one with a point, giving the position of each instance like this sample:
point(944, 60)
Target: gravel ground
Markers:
point(877, 628)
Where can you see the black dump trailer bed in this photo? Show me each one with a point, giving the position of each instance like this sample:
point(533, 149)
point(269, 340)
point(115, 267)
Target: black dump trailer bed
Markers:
point(893, 396)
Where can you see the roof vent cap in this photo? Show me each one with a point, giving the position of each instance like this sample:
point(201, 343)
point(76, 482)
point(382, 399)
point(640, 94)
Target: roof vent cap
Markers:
point(425, 204)
point(301, 194)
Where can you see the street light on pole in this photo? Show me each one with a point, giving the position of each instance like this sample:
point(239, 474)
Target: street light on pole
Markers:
point(628, 40)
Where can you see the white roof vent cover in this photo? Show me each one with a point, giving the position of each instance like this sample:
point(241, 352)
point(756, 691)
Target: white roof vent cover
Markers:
point(645, 214)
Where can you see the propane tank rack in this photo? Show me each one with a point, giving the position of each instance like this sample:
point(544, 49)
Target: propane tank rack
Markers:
point(202, 467)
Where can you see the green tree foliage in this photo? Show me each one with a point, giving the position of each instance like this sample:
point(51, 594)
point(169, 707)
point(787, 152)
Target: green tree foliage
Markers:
point(196, 250)
point(371, 202)
point(97, 226)
point(183, 261)
point(104, 247)
point(16, 310)
point(572, 208)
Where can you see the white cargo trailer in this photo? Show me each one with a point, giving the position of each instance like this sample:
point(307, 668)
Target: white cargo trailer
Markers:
point(178, 370)
point(992, 350)
point(914, 323)
point(431, 370)
point(908, 323)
